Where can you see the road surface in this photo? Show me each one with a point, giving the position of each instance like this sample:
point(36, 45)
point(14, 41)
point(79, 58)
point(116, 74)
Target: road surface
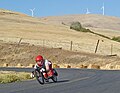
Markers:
point(69, 81)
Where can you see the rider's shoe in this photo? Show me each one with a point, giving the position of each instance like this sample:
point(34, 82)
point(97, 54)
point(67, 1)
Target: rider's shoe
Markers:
point(32, 74)
point(47, 80)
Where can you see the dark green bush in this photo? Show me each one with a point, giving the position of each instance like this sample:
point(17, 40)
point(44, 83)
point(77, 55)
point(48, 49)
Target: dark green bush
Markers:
point(116, 39)
point(78, 27)
point(85, 30)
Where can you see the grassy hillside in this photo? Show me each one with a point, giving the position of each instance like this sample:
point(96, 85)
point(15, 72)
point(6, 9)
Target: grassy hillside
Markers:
point(51, 33)
point(32, 35)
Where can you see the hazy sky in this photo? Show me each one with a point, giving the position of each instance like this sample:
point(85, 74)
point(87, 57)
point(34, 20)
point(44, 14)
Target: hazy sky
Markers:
point(62, 7)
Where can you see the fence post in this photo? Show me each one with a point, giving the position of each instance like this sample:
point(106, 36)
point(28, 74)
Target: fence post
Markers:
point(19, 41)
point(111, 49)
point(18, 45)
point(97, 46)
point(71, 43)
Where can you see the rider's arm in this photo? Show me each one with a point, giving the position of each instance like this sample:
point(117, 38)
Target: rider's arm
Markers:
point(36, 66)
point(47, 67)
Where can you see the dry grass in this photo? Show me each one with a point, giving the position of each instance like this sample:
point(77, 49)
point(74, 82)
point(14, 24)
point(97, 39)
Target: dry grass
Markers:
point(32, 30)
point(49, 32)
point(25, 54)
point(11, 76)
point(106, 25)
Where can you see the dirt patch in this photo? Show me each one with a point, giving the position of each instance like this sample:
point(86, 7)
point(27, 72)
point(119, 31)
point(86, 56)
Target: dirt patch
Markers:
point(23, 54)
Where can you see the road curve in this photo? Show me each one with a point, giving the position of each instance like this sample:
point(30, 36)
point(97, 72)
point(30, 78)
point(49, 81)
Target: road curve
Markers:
point(69, 81)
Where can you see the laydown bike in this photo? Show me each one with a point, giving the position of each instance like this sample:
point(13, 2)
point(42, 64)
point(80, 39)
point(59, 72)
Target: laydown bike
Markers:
point(40, 77)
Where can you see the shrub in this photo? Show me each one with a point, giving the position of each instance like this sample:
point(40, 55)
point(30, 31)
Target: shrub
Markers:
point(78, 27)
point(85, 30)
point(116, 39)
point(9, 76)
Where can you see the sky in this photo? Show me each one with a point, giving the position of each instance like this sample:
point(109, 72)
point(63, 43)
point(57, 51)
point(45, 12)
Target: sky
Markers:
point(62, 7)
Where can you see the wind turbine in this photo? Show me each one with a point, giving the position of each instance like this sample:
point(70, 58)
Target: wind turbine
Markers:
point(103, 8)
point(32, 10)
point(87, 11)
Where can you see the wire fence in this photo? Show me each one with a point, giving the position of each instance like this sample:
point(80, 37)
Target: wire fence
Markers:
point(98, 46)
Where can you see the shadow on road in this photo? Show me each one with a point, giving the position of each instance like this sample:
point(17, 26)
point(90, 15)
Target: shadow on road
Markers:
point(61, 81)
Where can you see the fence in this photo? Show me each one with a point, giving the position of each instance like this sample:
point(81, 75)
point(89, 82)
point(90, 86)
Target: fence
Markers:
point(103, 47)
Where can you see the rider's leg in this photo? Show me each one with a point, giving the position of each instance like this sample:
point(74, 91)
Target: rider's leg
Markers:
point(46, 77)
point(50, 73)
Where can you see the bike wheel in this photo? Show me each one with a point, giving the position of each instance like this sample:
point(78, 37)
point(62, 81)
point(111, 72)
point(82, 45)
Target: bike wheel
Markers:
point(39, 76)
point(55, 72)
point(54, 78)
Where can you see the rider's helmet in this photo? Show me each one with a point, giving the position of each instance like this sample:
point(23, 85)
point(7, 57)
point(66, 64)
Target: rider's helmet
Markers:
point(38, 58)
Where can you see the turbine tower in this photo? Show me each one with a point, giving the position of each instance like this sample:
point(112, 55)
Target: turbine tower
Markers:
point(87, 11)
point(103, 8)
point(32, 10)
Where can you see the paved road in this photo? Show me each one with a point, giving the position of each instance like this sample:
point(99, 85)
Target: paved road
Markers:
point(69, 81)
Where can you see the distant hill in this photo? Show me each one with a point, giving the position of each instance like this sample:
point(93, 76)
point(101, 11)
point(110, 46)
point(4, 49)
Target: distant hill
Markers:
point(8, 12)
point(103, 24)
point(87, 20)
